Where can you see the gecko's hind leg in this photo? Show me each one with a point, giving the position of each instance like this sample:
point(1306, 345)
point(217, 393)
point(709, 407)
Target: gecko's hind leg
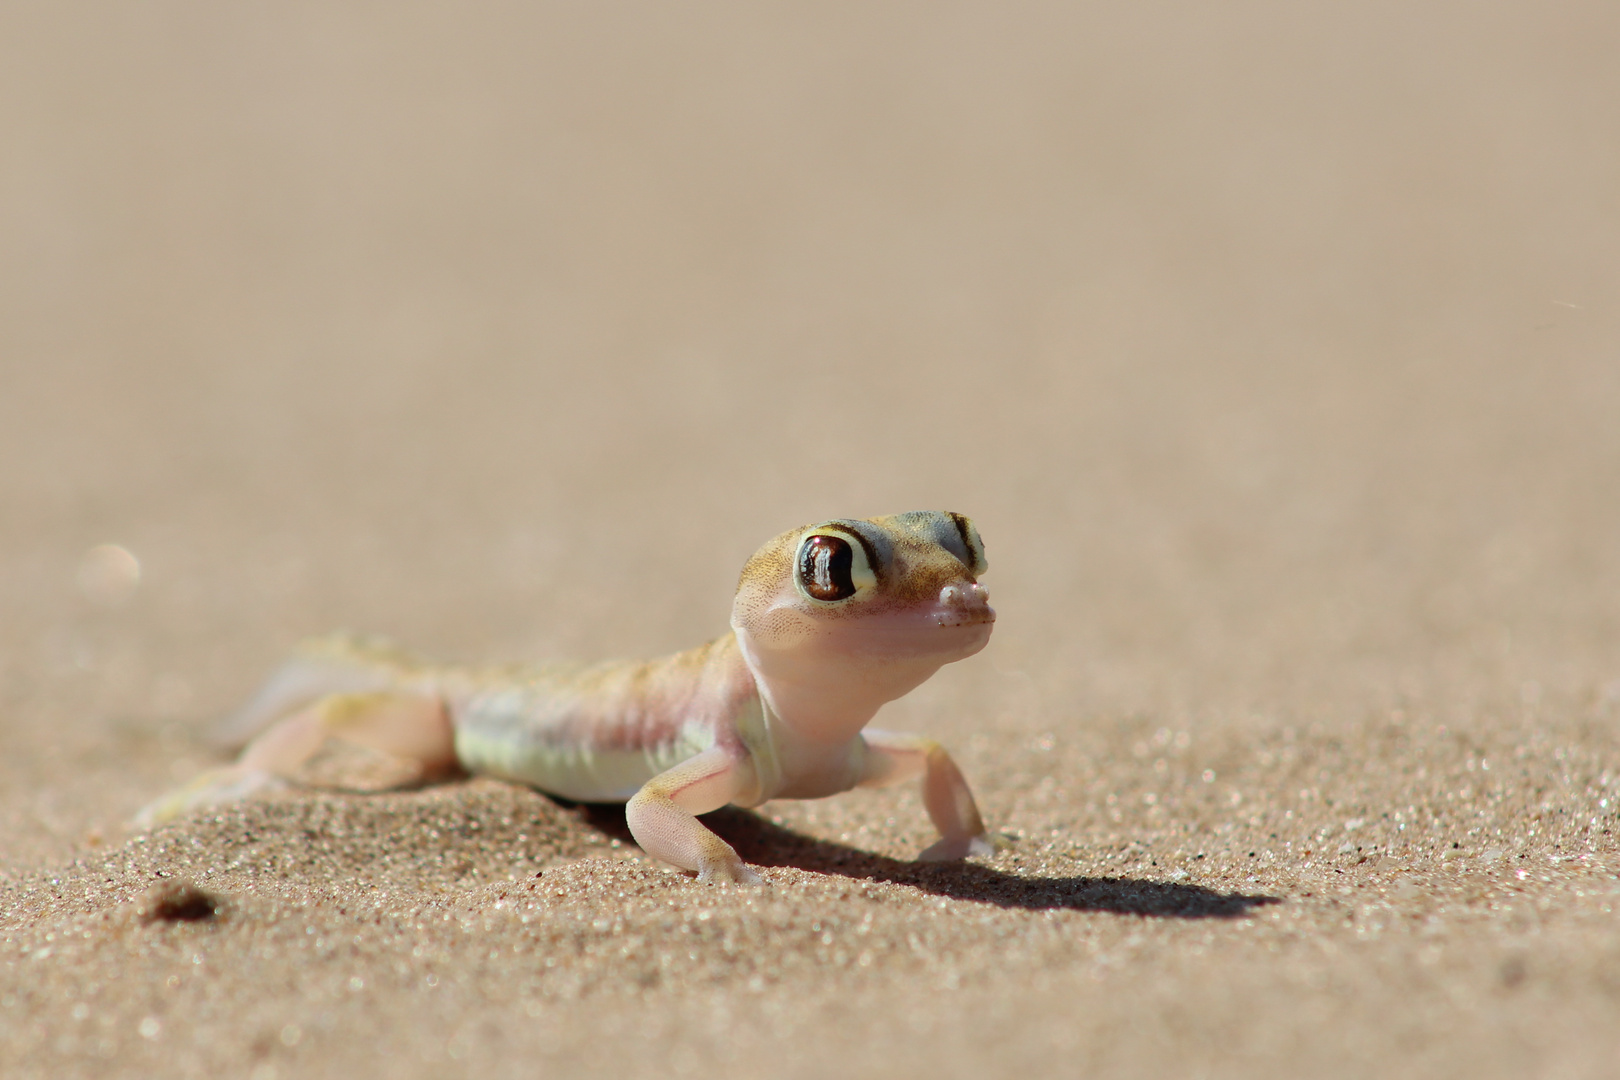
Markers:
point(411, 731)
point(318, 668)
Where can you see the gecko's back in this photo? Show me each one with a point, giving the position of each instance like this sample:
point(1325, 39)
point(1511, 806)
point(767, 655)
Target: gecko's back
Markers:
point(589, 732)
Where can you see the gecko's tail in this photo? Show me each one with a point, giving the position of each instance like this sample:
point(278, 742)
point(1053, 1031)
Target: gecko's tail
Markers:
point(318, 668)
point(357, 691)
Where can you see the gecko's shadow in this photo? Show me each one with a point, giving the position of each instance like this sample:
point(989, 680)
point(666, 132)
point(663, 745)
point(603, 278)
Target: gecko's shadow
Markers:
point(765, 844)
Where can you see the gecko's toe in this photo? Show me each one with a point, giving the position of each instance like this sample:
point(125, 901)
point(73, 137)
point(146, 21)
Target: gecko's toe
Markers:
point(956, 848)
point(730, 873)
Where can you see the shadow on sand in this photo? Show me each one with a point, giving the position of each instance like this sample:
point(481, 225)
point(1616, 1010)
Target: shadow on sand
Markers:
point(764, 844)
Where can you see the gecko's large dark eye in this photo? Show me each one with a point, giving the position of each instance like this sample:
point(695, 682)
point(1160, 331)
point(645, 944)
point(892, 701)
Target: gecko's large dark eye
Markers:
point(825, 564)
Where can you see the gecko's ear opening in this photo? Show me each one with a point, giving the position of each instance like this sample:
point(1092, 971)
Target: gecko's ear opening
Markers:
point(832, 565)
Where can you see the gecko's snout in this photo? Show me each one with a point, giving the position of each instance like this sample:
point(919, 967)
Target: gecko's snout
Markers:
point(959, 604)
point(969, 595)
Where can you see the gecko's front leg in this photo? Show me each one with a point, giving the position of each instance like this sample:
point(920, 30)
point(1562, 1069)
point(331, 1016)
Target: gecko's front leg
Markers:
point(663, 815)
point(893, 758)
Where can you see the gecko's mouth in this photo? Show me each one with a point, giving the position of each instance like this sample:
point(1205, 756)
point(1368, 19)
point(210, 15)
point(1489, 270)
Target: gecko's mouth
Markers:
point(950, 619)
point(956, 625)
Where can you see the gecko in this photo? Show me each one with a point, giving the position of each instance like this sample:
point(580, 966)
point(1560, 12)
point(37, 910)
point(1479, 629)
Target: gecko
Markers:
point(829, 623)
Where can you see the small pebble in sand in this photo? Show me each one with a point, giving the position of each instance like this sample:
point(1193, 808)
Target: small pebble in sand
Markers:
point(177, 900)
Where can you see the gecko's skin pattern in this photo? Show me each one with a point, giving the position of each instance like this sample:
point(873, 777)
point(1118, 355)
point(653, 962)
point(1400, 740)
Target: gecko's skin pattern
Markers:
point(830, 621)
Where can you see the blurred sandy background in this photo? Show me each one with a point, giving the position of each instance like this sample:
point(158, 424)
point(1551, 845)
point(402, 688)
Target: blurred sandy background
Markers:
point(1274, 350)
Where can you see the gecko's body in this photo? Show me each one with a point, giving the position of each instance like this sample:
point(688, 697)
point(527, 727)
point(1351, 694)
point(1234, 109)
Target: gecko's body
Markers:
point(830, 622)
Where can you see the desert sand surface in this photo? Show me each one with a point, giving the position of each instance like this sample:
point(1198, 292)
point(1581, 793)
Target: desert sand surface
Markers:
point(1275, 350)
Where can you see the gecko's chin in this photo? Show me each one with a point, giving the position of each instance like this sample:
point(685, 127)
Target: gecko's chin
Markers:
point(969, 637)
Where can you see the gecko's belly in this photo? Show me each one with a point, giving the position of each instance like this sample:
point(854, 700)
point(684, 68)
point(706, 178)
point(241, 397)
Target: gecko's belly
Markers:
point(519, 735)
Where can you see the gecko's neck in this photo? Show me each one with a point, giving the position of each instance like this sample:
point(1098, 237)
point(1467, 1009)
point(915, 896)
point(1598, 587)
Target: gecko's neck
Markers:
point(818, 713)
point(822, 703)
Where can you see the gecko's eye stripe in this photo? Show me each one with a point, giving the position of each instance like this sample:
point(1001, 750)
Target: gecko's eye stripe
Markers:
point(825, 567)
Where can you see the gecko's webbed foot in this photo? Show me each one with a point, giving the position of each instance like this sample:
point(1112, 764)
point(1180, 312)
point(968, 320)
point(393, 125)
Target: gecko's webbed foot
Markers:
point(729, 872)
point(952, 849)
point(224, 785)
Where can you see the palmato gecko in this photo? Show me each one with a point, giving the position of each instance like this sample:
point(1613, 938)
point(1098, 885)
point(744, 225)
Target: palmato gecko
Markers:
point(830, 622)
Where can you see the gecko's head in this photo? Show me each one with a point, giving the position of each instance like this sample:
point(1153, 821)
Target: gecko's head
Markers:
point(893, 595)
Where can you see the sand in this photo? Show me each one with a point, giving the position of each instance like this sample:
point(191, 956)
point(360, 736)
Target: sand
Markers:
point(1275, 353)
